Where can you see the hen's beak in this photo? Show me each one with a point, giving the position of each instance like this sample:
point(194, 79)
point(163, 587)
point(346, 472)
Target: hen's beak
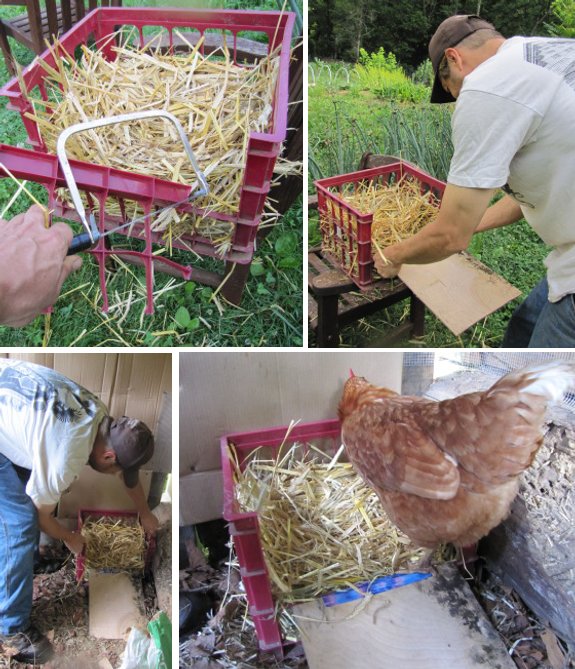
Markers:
point(351, 374)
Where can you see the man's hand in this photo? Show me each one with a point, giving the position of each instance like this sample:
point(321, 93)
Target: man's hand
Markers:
point(385, 268)
point(75, 543)
point(149, 522)
point(33, 265)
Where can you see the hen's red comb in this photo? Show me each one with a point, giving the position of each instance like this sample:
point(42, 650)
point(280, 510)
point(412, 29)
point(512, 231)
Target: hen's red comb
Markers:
point(351, 374)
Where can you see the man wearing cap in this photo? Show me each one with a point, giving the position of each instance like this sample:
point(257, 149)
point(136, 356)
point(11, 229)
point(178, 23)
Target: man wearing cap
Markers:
point(513, 129)
point(50, 428)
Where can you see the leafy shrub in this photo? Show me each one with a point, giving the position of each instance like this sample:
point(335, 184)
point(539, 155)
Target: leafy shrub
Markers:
point(380, 73)
point(424, 74)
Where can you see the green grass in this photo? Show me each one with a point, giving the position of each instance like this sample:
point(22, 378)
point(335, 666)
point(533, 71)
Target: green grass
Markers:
point(345, 122)
point(187, 314)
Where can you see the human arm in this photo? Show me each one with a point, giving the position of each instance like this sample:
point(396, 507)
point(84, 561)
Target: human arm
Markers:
point(33, 265)
point(461, 212)
point(50, 526)
point(504, 212)
point(149, 522)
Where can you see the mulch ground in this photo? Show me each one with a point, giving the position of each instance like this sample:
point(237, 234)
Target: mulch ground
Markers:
point(227, 638)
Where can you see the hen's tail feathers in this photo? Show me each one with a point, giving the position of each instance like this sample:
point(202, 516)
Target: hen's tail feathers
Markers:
point(550, 380)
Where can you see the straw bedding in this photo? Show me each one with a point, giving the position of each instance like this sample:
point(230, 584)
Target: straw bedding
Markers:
point(400, 210)
point(218, 102)
point(113, 543)
point(321, 527)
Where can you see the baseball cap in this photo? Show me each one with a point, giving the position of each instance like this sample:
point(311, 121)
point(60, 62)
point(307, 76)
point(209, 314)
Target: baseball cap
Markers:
point(133, 446)
point(450, 32)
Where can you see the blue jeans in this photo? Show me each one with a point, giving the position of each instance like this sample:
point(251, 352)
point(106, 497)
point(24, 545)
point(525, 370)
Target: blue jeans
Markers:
point(18, 537)
point(538, 323)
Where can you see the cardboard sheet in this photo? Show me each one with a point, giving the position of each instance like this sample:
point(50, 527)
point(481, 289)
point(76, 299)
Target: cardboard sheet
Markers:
point(459, 290)
point(201, 497)
point(234, 391)
point(434, 624)
point(113, 606)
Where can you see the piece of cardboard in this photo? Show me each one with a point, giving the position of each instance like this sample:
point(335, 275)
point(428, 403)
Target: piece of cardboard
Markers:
point(459, 290)
point(94, 371)
point(93, 490)
point(113, 606)
point(162, 459)
point(222, 392)
point(140, 381)
point(435, 624)
point(201, 497)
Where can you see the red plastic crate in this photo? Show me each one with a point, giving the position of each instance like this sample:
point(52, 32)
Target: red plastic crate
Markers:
point(346, 232)
point(244, 527)
point(262, 148)
point(114, 513)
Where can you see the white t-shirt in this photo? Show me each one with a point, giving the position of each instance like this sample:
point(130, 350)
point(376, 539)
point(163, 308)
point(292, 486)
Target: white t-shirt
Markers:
point(514, 128)
point(48, 424)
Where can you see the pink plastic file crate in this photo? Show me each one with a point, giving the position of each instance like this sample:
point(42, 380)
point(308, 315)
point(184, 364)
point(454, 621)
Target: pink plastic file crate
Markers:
point(262, 148)
point(83, 514)
point(346, 232)
point(244, 527)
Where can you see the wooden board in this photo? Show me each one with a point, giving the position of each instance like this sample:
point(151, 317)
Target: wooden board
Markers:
point(113, 606)
point(459, 290)
point(533, 550)
point(434, 624)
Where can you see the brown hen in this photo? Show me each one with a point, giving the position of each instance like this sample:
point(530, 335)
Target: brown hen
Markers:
point(448, 471)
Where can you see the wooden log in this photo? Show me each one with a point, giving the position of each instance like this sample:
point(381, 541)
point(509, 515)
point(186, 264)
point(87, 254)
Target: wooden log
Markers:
point(533, 550)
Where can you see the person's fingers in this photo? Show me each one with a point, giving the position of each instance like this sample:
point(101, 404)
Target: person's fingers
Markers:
point(35, 216)
point(70, 264)
point(16, 220)
point(61, 234)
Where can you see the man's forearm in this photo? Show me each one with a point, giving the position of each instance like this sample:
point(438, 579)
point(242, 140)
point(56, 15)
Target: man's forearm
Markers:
point(504, 212)
point(50, 526)
point(461, 211)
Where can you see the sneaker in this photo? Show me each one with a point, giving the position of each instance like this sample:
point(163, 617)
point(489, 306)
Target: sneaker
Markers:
point(31, 646)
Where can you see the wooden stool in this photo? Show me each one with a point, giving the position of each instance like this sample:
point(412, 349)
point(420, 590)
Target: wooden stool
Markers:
point(335, 301)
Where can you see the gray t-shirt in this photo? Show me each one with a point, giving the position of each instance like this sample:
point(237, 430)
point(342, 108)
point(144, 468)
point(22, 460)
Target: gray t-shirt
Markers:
point(514, 128)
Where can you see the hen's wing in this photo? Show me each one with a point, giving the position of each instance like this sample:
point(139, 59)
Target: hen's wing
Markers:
point(391, 452)
point(494, 435)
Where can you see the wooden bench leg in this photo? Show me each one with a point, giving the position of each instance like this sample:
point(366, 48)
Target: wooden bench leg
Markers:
point(235, 282)
point(6, 51)
point(417, 316)
point(327, 324)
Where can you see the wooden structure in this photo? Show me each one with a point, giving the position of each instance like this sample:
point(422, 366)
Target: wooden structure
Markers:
point(36, 25)
point(335, 301)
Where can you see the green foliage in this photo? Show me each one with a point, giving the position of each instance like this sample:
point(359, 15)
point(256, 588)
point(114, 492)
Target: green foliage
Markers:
point(343, 127)
point(424, 74)
point(379, 60)
point(339, 28)
point(564, 19)
point(380, 73)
